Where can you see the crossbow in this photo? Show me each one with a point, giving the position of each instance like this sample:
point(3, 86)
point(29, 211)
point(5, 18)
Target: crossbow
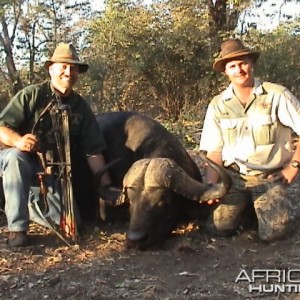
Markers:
point(59, 165)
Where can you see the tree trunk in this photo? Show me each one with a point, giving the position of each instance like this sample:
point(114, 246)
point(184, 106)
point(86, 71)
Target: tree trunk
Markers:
point(13, 75)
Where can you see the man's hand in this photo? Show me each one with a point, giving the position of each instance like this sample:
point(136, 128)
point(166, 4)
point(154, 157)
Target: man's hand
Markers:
point(11, 138)
point(109, 194)
point(212, 202)
point(286, 175)
point(27, 142)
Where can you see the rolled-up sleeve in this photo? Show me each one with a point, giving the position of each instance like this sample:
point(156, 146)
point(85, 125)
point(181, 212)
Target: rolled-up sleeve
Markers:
point(17, 110)
point(211, 139)
point(289, 111)
point(92, 140)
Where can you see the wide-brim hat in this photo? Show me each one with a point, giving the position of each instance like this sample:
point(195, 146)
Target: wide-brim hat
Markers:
point(66, 53)
point(232, 49)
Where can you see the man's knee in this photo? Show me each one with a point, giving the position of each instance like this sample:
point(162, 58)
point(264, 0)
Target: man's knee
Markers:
point(274, 228)
point(270, 235)
point(273, 210)
point(230, 214)
point(18, 160)
point(16, 154)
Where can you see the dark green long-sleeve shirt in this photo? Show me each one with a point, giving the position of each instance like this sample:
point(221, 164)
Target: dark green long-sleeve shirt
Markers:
point(24, 109)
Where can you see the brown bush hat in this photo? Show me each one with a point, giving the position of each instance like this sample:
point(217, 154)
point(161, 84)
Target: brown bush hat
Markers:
point(66, 53)
point(231, 49)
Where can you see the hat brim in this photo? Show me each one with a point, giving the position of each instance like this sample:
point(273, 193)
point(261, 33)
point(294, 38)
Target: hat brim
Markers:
point(219, 64)
point(83, 67)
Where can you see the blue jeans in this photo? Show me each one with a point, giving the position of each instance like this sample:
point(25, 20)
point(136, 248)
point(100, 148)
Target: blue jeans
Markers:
point(21, 191)
point(16, 172)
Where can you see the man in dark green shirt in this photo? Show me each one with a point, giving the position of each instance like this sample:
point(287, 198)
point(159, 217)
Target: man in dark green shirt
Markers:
point(20, 141)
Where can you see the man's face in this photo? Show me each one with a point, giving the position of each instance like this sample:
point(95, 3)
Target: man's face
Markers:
point(63, 76)
point(240, 71)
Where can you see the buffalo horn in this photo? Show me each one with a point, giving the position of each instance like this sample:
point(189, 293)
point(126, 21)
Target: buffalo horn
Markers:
point(168, 174)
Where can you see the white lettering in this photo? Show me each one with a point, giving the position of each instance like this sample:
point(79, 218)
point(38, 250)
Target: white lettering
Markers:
point(243, 276)
point(253, 288)
point(278, 288)
point(258, 274)
point(292, 288)
point(273, 274)
point(274, 288)
point(271, 280)
point(292, 276)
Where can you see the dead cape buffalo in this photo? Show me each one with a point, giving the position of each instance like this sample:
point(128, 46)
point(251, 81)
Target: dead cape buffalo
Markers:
point(161, 184)
point(160, 181)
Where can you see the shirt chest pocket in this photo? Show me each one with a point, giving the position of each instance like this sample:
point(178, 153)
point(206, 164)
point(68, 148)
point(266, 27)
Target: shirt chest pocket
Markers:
point(75, 125)
point(264, 129)
point(229, 130)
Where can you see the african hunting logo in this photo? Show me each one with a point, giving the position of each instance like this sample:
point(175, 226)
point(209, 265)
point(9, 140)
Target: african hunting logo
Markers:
point(271, 280)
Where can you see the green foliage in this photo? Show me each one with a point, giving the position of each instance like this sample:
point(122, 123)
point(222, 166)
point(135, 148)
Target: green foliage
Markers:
point(29, 32)
point(154, 55)
point(155, 59)
point(279, 61)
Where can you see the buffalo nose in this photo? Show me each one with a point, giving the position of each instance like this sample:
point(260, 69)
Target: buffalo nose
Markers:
point(136, 240)
point(135, 236)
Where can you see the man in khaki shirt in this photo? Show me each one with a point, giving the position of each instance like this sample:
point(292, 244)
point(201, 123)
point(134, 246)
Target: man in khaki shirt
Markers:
point(248, 129)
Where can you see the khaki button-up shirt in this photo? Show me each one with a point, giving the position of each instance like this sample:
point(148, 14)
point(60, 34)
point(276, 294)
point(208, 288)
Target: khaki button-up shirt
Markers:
point(257, 137)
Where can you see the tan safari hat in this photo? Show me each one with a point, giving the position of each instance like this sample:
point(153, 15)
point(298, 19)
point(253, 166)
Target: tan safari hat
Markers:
point(230, 49)
point(66, 53)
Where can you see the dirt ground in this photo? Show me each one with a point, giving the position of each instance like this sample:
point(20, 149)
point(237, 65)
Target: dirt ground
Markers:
point(190, 265)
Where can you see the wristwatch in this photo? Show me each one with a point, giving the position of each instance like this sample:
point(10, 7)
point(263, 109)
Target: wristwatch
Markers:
point(295, 164)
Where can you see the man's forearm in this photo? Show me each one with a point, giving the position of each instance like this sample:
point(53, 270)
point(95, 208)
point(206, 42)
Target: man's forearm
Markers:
point(97, 162)
point(296, 155)
point(210, 174)
point(8, 136)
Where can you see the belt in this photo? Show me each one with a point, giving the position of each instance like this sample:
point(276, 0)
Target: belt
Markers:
point(3, 146)
point(234, 167)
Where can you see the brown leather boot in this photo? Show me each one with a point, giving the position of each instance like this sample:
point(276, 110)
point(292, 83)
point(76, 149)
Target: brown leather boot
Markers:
point(17, 239)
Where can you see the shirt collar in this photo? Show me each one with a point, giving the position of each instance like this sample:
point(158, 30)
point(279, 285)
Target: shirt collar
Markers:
point(257, 90)
point(64, 99)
